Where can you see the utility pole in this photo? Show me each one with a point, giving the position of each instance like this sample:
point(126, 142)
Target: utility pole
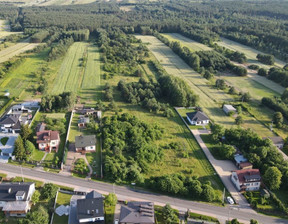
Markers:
point(22, 173)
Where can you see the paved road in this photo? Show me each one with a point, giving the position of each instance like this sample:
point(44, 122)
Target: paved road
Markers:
point(223, 169)
point(126, 193)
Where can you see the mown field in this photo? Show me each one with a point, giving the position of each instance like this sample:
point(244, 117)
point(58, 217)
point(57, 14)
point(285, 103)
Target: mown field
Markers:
point(211, 99)
point(186, 42)
point(46, 2)
point(70, 73)
point(91, 85)
point(248, 51)
point(16, 49)
point(174, 131)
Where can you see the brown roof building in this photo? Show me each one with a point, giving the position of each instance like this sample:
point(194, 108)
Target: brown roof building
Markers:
point(246, 179)
point(48, 140)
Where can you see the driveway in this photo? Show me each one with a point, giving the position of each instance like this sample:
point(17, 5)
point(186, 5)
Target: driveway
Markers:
point(73, 209)
point(223, 169)
point(8, 148)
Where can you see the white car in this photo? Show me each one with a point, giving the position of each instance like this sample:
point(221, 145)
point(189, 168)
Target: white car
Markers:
point(116, 221)
point(230, 200)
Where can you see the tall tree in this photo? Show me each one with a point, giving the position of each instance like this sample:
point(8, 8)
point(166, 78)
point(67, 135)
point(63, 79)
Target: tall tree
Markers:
point(272, 178)
point(19, 150)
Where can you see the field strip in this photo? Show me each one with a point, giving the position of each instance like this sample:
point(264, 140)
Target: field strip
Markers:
point(210, 99)
point(16, 49)
point(69, 74)
point(186, 42)
point(265, 87)
point(248, 51)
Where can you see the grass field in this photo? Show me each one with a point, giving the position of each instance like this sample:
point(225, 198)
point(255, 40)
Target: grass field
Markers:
point(16, 49)
point(20, 78)
point(70, 73)
point(91, 84)
point(248, 51)
point(62, 199)
point(186, 42)
point(211, 99)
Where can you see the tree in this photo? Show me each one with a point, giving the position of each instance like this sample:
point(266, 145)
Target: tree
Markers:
point(278, 119)
point(19, 150)
point(220, 84)
point(29, 147)
point(25, 132)
point(49, 191)
point(239, 120)
point(272, 177)
point(227, 151)
point(35, 197)
point(111, 199)
point(253, 221)
point(208, 75)
point(208, 193)
point(218, 132)
point(262, 72)
point(234, 221)
point(246, 97)
point(232, 91)
point(284, 95)
point(80, 166)
point(40, 215)
point(169, 215)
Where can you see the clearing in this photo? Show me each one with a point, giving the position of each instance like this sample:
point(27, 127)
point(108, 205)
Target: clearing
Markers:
point(248, 51)
point(211, 99)
point(186, 42)
point(69, 75)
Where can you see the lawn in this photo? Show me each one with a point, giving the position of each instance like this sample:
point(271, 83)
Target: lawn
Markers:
point(37, 155)
point(4, 140)
point(70, 73)
point(62, 199)
point(212, 145)
point(94, 159)
point(186, 42)
point(38, 183)
point(211, 99)
point(91, 85)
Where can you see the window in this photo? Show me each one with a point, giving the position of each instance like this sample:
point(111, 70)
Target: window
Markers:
point(91, 147)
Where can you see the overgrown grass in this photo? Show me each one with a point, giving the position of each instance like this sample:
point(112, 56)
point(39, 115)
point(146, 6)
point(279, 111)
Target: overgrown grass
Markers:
point(38, 183)
point(212, 145)
point(4, 140)
point(109, 214)
point(94, 159)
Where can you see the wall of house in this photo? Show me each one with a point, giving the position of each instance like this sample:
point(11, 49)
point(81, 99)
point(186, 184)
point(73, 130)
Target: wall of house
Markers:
point(90, 148)
point(235, 180)
point(101, 218)
point(31, 192)
point(253, 186)
point(199, 123)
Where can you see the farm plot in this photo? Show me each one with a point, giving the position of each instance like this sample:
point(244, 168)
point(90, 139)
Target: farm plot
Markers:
point(248, 51)
point(210, 99)
point(22, 76)
point(69, 75)
point(16, 49)
point(91, 86)
point(5, 30)
point(186, 42)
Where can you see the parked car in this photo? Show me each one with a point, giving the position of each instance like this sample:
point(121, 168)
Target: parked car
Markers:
point(116, 221)
point(230, 200)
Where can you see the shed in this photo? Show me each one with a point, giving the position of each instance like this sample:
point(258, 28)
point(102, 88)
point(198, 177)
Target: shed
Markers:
point(227, 108)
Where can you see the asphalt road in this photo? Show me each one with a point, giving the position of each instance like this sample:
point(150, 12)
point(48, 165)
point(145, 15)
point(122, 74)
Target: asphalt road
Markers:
point(127, 193)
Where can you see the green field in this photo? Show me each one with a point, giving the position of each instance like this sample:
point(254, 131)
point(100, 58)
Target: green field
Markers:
point(70, 73)
point(62, 199)
point(186, 42)
point(248, 51)
point(210, 98)
point(91, 86)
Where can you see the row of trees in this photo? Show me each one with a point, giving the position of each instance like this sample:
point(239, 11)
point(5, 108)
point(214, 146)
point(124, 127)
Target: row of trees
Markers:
point(266, 59)
point(63, 101)
point(60, 48)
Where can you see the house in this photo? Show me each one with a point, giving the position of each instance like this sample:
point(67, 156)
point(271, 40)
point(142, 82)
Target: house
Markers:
point(277, 141)
point(83, 121)
point(197, 118)
point(137, 212)
point(91, 209)
point(246, 180)
point(10, 123)
point(48, 140)
point(6, 151)
point(228, 109)
point(15, 198)
point(90, 111)
point(19, 109)
point(40, 127)
point(86, 143)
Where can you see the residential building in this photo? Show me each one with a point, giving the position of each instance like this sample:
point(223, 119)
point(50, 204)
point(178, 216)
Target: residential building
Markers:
point(197, 118)
point(229, 109)
point(245, 165)
point(85, 143)
point(137, 212)
point(40, 127)
point(91, 209)
point(83, 121)
point(277, 141)
point(246, 180)
point(15, 198)
point(239, 158)
point(10, 123)
point(48, 140)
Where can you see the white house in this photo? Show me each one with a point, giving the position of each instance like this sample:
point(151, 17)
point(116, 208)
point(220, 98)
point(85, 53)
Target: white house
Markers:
point(10, 123)
point(197, 118)
point(48, 140)
point(86, 143)
point(15, 198)
point(247, 179)
point(229, 109)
